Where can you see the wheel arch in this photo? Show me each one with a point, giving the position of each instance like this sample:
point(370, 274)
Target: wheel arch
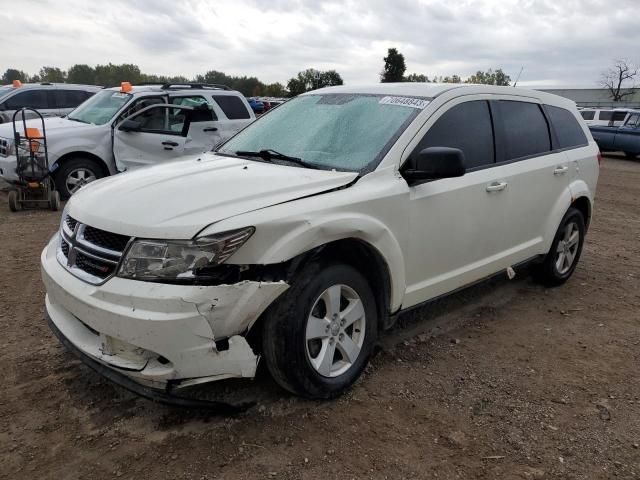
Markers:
point(83, 154)
point(583, 205)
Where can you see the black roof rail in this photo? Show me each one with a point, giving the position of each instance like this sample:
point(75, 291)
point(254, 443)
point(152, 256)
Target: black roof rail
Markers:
point(217, 86)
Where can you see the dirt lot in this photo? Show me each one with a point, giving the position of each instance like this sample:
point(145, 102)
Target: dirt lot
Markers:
point(505, 380)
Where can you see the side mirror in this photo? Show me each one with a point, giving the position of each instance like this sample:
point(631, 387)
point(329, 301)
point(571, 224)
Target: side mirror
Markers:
point(130, 126)
point(433, 163)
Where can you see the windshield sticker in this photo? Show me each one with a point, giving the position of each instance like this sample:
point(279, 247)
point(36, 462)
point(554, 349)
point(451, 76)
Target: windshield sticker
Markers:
point(120, 95)
point(405, 102)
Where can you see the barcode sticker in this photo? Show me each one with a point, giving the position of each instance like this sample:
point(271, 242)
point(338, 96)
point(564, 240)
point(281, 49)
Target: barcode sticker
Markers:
point(405, 102)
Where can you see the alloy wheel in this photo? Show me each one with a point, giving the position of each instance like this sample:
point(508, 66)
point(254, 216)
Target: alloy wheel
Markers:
point(78, 178)
point(567, 248)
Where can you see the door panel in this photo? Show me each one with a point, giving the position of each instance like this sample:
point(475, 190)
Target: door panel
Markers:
point(155, 134)
point(204, 128)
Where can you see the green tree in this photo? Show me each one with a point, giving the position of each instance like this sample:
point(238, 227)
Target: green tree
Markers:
point(416, 77)
point(274, 90)
point(52, 74)
point(490, 77)
point(311, 79)
point(81, 73)
point(112, 75)
point(12, 74)
point(394, 67)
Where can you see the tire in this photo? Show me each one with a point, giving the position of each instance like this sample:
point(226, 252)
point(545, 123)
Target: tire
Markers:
point(292, 351)
point(14, 206)
point(78, 172)
point(54, 200)
point(630, 155)
point(563, 257)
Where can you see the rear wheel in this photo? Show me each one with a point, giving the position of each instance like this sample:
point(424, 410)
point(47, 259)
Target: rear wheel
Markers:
point(54, 200)
point(318, 337)
point(14, 206)
point(75, 173)
point(566, 248)
point(630, 155)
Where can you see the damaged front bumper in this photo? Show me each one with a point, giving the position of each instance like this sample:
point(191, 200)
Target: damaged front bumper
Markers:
point(158, 335)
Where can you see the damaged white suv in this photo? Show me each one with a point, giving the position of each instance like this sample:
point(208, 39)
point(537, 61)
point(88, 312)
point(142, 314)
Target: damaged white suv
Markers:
point(308, 232)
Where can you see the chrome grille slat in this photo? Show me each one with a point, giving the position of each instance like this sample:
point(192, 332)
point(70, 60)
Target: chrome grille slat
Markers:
point(84, 251)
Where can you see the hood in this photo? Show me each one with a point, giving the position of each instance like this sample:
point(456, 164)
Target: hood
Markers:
point(53, 126)
point(178, 199)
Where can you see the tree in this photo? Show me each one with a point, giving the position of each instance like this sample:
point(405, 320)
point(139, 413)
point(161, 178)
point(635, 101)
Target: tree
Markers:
point(81, 73)
point(394, 67)
point(113, 75)
point(622, 76)
point(52, 74)
point(490, 78)
point(274, 90)
point(416, 77)
point(12, 74)
point(310, 79)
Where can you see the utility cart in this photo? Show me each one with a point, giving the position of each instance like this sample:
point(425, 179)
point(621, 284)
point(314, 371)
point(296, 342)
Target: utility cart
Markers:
point(34, 187)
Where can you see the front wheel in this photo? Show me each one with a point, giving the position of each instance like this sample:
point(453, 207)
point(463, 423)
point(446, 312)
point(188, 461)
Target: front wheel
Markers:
point(318, 337)
point(74, 174)
point(566, 248)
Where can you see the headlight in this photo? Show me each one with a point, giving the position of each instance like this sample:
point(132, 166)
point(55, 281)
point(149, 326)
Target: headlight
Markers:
point(177, 260)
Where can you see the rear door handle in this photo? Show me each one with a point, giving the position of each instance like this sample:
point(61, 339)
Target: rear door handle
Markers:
point(210, 129)
point(496, 186)
point(560, 170)
point(170, 144)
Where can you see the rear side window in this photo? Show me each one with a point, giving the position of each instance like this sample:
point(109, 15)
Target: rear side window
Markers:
point(202, 111)
point(567, 128)
point(525, 129)
point(28, 98)
point(70, 98)
point(617, 118)
point(232, 107)
point(466, 126)
point(588, 114)
point(633, 120)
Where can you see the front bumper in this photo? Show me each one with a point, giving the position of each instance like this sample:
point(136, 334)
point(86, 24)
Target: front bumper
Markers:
point(158, 335)
point(8, 167)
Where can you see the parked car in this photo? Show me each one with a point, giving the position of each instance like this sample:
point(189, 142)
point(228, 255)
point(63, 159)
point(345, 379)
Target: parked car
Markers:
point(300, 241)
point(256, 105)
point(164, 122)
point(608, 117)
point(50, 99)
point(625, 138)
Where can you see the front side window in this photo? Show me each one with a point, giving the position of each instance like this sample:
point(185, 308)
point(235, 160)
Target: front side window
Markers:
point(202, 110)
point(525, 128)
point(587, 114)
point(633, 120)
point(466, 126)
point(29, 98)
point(162, 119)
point(100, 108)
point(566, 127)
point(347, 132)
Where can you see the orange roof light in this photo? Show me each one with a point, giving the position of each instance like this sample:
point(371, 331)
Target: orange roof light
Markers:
point(125, 87)
point(17, 83)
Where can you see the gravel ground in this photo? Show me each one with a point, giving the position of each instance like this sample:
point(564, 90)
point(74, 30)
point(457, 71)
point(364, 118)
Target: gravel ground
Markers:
point(505, 380)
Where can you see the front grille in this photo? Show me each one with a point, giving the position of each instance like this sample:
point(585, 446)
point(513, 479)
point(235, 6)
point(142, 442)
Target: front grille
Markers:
point(5, 147)
point(88, 252)
point(112, 241)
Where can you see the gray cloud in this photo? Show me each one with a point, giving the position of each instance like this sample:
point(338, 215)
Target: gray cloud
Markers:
point(569, 42)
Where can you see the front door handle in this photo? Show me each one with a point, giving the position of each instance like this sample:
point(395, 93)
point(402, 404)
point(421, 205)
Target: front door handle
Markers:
point(170, 144)
point(561, 170)
point(496, 186)
point(210, 129)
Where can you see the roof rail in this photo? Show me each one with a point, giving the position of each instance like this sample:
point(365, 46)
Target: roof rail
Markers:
point(216, 86)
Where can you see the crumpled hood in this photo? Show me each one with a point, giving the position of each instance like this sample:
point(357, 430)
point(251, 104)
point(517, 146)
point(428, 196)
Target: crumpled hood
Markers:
point(53, 125)
point(180, 198)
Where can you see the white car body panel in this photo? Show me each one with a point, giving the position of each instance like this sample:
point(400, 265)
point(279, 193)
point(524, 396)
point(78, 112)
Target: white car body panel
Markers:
point(433, 237)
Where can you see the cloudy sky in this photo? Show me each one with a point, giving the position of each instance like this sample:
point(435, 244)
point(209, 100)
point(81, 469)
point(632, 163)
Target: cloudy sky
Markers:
point(558, 42)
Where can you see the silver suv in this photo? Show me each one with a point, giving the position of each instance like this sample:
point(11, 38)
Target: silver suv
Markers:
point(50, 99)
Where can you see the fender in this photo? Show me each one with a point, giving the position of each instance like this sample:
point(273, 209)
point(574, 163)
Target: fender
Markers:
point(555, 217)
point(288, 238)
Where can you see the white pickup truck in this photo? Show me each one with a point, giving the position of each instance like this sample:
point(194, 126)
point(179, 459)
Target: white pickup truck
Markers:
point(128, 126)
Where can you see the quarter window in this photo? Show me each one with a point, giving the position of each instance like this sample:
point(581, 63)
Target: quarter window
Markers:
point(567, 128)
point(29, 98)
point(466, 126)
point(233, 107)
point(526, 132)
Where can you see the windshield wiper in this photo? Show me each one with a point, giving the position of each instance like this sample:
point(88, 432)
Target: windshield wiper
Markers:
point(269, 155)
point(77, 120)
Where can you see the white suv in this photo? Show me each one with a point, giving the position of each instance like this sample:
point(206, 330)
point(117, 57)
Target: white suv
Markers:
point(306, 234)
point(121, 128)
